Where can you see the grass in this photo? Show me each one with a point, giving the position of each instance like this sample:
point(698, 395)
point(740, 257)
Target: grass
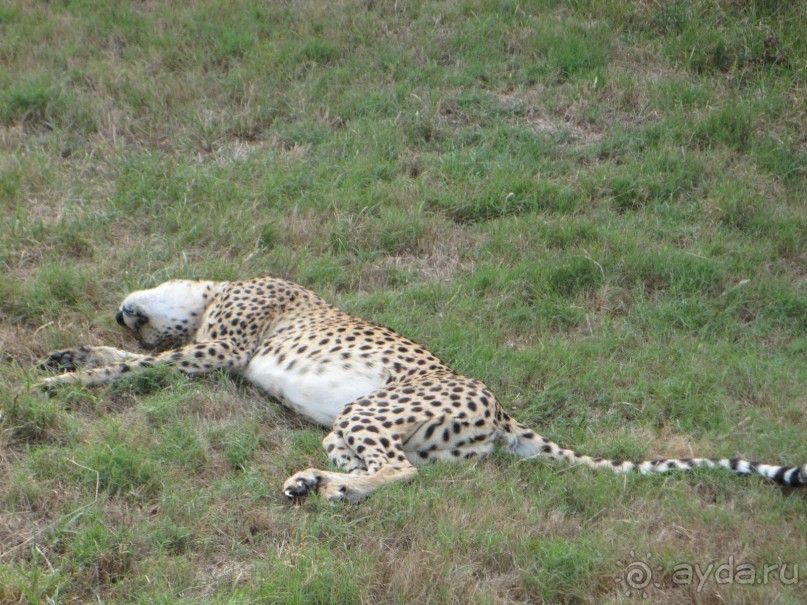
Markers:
point(598, 208)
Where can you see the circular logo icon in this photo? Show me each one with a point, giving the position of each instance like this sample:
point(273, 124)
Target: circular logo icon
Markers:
point(637, 576)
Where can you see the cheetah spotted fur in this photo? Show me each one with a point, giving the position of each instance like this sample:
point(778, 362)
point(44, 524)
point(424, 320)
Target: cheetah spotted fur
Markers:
point(389, 403)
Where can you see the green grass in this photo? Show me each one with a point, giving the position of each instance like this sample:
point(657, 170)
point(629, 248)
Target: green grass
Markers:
point(597, 208)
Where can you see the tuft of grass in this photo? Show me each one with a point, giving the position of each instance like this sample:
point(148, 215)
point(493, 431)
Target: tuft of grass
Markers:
point(730, 126)
point(240, 448)
point(33, 101)
point(158, 378)
point(35, 419)
point(118, 464)
point(568, 48)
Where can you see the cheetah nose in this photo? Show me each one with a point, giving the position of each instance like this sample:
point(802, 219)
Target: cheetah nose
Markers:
point(119, 318)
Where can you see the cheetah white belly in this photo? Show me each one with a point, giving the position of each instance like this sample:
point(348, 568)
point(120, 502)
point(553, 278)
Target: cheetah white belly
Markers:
point(319, 393)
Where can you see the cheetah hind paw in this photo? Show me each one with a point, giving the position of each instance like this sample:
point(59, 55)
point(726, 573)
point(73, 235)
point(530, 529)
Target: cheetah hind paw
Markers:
point(311, 480)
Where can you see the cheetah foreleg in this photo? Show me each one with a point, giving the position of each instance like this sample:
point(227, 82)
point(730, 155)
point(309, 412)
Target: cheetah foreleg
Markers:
point(87, 358)
point(199, 358)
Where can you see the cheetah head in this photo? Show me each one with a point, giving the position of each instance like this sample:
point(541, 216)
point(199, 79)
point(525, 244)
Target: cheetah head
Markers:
point(165, 316)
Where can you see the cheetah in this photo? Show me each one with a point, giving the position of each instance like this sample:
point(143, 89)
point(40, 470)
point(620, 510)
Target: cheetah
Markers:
point(389, 403)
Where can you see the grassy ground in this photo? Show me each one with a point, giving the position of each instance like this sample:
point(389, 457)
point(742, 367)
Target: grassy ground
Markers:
point(596, 207)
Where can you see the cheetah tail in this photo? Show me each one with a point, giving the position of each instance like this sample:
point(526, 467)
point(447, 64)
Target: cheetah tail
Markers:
point(522, 441)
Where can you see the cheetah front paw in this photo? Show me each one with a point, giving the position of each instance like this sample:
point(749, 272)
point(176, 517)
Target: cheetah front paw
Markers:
point(68, 360)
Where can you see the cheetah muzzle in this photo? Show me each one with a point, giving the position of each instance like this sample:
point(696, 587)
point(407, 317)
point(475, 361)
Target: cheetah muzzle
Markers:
point(390, 404)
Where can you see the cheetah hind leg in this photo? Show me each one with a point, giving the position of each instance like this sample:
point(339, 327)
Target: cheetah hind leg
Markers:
point(341, 486)
point(342, 455)
point(376, 461)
